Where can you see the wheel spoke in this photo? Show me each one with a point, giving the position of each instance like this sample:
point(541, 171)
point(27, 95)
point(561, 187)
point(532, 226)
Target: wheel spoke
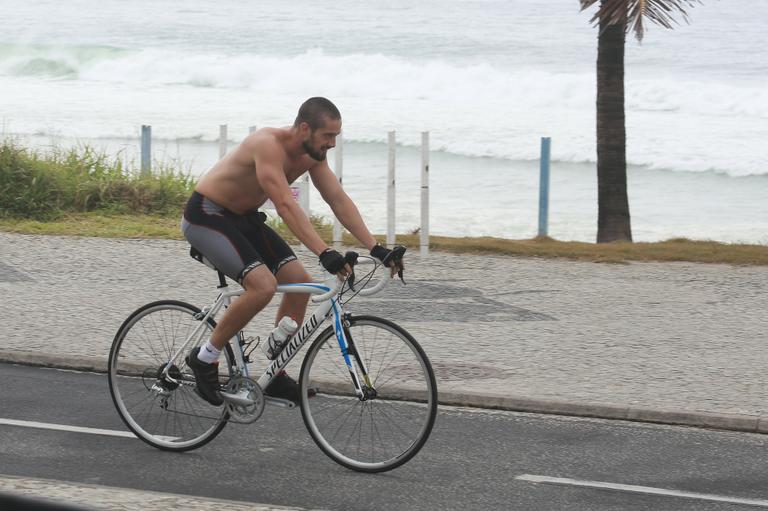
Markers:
point(374, 434)
point(144, 345)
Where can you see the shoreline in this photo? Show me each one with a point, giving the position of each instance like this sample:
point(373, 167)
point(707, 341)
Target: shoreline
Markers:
point(168, 151)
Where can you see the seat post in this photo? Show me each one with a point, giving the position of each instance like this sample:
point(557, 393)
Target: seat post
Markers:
point(222, 281)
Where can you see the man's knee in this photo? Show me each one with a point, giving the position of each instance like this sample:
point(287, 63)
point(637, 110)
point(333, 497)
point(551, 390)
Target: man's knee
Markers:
point(293, 273)
point(260, 282)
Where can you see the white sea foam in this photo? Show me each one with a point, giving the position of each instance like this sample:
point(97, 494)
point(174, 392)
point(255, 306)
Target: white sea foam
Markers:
point(477, 109)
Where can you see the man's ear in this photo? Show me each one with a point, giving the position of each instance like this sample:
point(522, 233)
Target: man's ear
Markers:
point(304, 128)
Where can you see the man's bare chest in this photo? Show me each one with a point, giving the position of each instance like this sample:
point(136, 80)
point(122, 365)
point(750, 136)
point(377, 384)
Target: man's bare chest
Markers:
point(294, 170)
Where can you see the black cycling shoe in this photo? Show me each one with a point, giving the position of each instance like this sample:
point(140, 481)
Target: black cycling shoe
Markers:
point(285, 387)
point(206, 377)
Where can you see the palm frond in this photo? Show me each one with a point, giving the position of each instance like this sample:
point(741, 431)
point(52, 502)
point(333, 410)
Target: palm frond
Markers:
point(634, 12)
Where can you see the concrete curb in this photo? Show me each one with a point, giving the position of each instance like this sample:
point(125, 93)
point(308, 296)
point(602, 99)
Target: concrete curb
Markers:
point(30, 358)
point(722, 421)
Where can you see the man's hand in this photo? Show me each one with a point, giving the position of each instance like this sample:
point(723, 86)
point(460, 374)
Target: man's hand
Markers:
point(335, 263)
point(389, 259)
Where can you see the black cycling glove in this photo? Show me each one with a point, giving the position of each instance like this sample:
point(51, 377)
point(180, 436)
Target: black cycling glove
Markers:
point(383, 254)
point(390, 258)
point(332, 260)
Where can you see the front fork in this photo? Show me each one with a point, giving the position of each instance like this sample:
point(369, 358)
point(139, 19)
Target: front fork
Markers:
point(363, 386)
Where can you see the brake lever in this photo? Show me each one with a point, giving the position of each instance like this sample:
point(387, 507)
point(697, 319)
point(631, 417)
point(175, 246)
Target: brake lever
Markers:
point(400, 271)
point(351, 259)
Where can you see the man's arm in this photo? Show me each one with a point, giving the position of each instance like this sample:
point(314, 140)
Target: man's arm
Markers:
point(345, 210)
point(269, 172)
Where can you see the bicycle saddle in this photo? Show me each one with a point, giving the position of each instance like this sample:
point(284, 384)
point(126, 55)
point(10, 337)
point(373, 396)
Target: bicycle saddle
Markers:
point(199, 257)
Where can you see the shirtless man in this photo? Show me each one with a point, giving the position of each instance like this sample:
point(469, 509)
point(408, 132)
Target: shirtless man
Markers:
point(222, 222)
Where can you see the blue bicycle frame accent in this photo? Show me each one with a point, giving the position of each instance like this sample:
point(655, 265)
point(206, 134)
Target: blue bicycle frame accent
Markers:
point(340, 335)
point(316, 286)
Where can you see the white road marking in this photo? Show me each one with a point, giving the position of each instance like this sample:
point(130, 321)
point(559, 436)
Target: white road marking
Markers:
point(64, 427)
point(648, 490)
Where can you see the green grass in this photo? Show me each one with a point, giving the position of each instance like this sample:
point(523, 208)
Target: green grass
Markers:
point(98, 224)
point(167, 227)
point(49, 186)
point(678, 249)
point(110, 225)
point(80, 192)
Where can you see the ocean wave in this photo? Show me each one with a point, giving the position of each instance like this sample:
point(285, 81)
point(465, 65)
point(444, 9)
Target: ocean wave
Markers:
point(376, 76)
point(44, 67)
point(54, 61)
point(478, 110)
point(565, 151)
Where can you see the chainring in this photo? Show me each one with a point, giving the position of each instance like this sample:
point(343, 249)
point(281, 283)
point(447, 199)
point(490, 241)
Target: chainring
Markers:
point(248, 388)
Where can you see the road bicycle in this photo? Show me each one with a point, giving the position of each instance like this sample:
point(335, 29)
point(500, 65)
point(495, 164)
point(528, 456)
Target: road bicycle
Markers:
point(375, 395)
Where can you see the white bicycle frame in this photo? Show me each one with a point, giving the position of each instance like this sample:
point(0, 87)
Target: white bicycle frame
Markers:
point(325, 295)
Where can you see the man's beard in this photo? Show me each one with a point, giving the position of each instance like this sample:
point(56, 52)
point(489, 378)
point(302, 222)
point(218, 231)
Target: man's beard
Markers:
point(314, 154)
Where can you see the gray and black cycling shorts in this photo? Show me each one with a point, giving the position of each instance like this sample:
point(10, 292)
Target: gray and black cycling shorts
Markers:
point(235, 244)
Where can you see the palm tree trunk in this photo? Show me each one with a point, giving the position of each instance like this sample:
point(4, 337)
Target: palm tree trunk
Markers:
point(612, 203)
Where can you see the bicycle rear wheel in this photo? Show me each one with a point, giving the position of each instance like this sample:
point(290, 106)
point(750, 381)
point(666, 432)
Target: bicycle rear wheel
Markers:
point(162, 408)
point(392, 423)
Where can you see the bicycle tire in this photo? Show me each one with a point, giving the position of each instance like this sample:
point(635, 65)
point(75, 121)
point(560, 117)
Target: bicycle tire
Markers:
point(410, 388)
point(166, 415)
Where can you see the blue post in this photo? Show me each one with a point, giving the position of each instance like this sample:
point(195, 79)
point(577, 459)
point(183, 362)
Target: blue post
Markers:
point(146, 149)
point(544, 186)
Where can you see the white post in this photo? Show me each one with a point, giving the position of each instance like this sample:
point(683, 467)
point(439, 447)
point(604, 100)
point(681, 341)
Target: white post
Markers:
point(546, 143)
point(391, 191)
point(424, 194)
point(337, 232)
point(304, 194)
point(146, 149)
point(251, 129)
point(222, 140)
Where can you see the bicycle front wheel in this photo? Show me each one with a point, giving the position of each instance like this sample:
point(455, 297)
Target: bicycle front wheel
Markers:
point(150, 383)
point(389, 424)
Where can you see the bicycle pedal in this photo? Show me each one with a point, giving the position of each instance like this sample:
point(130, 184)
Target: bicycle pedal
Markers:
point(282, 403)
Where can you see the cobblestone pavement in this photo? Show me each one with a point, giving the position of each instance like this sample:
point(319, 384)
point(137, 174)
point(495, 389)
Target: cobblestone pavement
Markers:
point(102, 498)
point(668, 336)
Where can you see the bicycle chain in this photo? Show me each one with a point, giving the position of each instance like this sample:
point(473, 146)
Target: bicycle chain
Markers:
point(236, 414)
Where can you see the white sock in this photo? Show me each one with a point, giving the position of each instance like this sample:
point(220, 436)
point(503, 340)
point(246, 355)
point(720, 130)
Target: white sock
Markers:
point(208, 353)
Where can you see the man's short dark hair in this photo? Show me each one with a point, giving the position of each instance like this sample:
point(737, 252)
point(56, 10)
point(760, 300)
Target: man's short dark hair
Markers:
point(314, 110)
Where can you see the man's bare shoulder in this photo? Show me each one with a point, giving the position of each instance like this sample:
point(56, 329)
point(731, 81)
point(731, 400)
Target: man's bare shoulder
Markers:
point(266, 144)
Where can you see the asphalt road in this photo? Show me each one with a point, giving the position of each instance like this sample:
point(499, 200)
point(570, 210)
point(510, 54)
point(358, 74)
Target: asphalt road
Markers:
point(475, 459)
